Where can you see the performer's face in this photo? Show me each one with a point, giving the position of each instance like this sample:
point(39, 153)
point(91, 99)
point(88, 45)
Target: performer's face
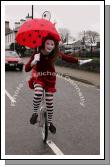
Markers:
point(49, 45)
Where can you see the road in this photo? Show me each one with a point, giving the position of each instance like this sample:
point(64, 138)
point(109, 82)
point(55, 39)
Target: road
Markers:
point(78, 127)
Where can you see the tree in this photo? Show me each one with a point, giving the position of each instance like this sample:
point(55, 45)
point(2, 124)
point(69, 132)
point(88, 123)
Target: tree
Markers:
point(15, 46)
point(19, 49)
point(65, 33)
point(89, 38)
point(92, 36)
point(72, 38)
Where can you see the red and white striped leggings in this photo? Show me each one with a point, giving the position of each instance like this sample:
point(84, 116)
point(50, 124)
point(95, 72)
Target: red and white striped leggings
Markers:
point(38, 98)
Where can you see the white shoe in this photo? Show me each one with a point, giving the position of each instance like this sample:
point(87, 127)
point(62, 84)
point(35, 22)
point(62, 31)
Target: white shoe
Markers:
point(81, 62)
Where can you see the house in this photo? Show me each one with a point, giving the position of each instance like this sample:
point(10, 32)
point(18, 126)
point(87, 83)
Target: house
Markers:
point(73, 45)
point(7, 29)
point(10, 35)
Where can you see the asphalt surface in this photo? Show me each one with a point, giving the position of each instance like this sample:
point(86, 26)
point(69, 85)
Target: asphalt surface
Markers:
point(78, 127)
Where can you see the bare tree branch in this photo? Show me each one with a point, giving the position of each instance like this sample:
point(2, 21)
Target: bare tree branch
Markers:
point(65, 33)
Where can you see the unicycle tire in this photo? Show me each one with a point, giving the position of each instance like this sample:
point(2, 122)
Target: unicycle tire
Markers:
point(45, 128)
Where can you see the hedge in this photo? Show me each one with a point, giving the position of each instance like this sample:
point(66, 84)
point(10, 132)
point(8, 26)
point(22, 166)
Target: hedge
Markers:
point(93, 66)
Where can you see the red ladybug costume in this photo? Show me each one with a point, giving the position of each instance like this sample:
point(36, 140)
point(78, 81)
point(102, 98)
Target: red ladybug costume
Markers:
point(43, 67)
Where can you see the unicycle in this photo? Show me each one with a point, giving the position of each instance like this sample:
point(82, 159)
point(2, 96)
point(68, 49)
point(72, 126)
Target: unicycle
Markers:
point(43, 120)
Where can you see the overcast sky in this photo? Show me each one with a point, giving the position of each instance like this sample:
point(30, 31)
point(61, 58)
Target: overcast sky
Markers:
point(73, 17)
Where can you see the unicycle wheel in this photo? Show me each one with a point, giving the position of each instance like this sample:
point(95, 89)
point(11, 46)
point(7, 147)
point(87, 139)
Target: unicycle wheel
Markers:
point(45, 128)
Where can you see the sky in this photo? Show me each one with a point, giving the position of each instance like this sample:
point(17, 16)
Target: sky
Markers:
point(76, 18)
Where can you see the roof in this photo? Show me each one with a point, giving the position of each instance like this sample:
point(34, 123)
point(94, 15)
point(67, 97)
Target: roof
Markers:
point(77, 43)
point(69, 43)
point(22, 20)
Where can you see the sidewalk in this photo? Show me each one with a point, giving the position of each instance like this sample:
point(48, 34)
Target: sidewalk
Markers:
point(80, 75)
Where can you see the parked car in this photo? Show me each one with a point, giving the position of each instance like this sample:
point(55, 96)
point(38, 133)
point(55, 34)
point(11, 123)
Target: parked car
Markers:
point(12, 60)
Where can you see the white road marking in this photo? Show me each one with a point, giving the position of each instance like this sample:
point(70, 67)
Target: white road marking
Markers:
point(54, 148)
point(9, 96)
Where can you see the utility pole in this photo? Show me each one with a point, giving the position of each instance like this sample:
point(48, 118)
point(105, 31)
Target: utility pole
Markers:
point(83, 42)
point(91, 47)
point(67, 38)
point(83, 39)
point(32, 11)
point(84, 45)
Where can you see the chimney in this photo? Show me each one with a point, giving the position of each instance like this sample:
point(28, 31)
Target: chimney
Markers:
point(17, 24)
point(7, 24)
point(28, 17)
point(22, 21)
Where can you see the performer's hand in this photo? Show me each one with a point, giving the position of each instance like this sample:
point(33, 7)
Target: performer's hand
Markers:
point(36, 58)
point(81, 62)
